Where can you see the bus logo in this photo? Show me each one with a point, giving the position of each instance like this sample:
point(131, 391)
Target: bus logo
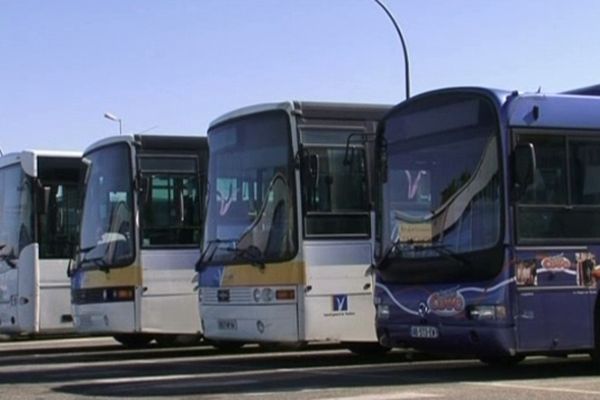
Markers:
point(556, 262)
point(446, 303)
point(223, 295)
point(340, 302)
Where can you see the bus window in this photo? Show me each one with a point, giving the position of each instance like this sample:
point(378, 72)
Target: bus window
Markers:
point(562, 204)
point(335, 191)
point(59, 224)
point(171, 210)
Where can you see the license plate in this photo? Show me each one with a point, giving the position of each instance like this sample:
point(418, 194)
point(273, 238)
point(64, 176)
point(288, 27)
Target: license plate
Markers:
point(426, 332)
point(227, 324)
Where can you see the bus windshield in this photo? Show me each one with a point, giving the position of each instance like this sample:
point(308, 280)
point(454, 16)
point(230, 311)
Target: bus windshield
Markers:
point(16, 214)
point(443, 187)
point(107, 215)
point(250, 217)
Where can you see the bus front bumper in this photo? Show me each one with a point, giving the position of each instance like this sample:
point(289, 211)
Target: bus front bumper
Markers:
point(452, 340)
point(251, 323)
point(104, 317)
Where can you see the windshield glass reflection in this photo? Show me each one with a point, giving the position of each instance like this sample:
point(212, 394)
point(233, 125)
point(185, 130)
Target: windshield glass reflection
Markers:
point(250, 203)
point(107, 220)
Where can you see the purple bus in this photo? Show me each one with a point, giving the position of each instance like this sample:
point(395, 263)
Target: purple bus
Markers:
point(489, 224)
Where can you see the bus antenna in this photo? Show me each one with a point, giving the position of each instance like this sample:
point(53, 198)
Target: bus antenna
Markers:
point(404, 49)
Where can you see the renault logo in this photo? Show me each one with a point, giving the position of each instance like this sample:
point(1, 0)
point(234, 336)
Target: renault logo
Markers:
point(423, 309)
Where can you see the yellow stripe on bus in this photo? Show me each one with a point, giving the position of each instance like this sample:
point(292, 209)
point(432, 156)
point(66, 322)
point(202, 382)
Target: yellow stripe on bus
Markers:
point(124, 276)
point(286, 273)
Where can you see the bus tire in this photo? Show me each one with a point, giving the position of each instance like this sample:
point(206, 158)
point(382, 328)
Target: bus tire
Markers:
point(134, 340)
point(595, 353)
point(282, 346)
point(502, 361)
point(366, 348)
point(177, 340)
point(227, 345)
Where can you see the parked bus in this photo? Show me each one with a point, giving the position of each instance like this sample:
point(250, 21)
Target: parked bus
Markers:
point(288, 237)
point(140, 236)
point(490, 224)
point(39, 204)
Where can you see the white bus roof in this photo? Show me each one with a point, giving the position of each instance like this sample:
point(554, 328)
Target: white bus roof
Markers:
point(109, 140)
point(309, 108)
point(28, 158)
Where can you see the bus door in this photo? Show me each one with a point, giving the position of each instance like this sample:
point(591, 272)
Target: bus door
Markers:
point(337, 238)
point(57, 201)
point(555, 300)
point(559, 211)
point(170, 239)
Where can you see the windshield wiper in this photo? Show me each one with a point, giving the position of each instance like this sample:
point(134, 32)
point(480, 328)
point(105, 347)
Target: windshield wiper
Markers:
point(251, 254)
point(98, 261)
point(10, 257)
point(444, 251)
point(205, 257)
point(393, 250)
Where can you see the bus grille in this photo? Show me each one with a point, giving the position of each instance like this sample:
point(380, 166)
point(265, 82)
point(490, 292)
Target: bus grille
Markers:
point(235, 295)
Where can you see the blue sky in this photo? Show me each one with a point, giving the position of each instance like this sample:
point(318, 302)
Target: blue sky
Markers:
point(177, 64)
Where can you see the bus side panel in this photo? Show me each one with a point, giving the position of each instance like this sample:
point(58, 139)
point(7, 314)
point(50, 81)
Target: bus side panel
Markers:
point(339, 305)
point(169, 303)
point(55, 296)
point(28, 290)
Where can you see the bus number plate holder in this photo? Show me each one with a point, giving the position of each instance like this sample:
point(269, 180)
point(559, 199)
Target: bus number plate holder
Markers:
point(227, 324)
point(424, 332)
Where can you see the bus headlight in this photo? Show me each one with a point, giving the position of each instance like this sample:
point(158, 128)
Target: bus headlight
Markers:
point(383, 311)
point(256, 295)
point(487, 312)
point(264, 295)
point(267, 295)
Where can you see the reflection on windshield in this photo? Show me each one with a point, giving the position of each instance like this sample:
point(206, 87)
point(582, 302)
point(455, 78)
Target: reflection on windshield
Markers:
point(16, 214)
point(106, 231)
point(443, 187)
point(250, 189)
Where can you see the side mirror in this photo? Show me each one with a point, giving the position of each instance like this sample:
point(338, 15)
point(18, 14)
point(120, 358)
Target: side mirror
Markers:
point(524, 165)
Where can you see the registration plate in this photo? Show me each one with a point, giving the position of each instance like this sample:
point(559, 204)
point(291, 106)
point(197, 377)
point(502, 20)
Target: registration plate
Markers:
point(227, 324)
point(426, 332)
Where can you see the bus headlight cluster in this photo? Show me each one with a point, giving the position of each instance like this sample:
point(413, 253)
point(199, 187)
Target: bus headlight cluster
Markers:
point(268, 295)
point(118, 294)
point(264, 295)
point(487, 312)
point(383, 311)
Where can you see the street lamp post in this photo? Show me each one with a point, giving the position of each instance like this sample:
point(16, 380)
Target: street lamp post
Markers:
point(112, 117)
point(404, 49)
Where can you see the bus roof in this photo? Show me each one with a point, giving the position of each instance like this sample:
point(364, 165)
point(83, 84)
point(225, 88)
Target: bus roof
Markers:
point(577, 109)
point(155, 142)
point(28, 158)
point(311, 109)
point(573, 111)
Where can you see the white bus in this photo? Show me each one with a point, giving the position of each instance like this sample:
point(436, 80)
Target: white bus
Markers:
point(39, 203)
point(140, 238)
point(289, 226)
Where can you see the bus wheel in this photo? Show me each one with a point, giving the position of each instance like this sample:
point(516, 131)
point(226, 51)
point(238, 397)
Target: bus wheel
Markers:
point(227, 345)
point(595, 353)
point(133, 340)
point(177, 340)
point(282, 346)
point(502, 361)
point(366, 348)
